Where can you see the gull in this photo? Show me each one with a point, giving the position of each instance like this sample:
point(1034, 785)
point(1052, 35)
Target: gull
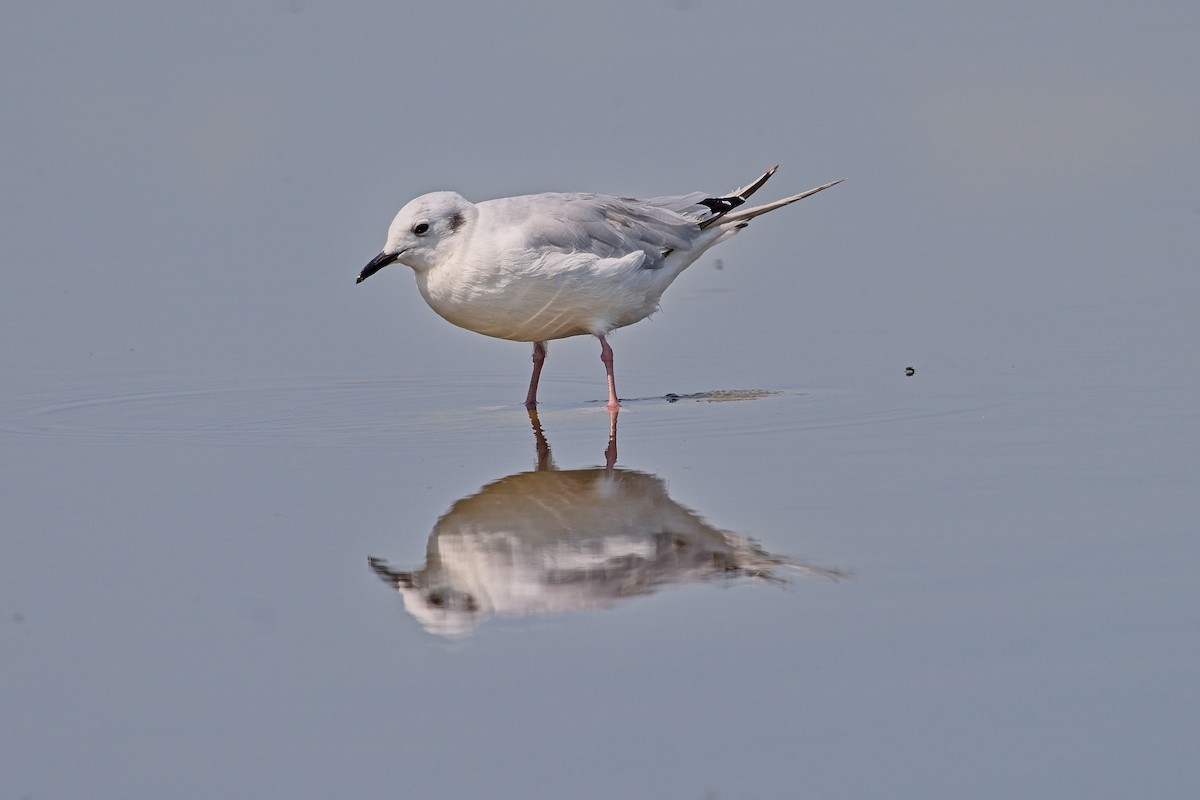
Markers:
point(548, 266)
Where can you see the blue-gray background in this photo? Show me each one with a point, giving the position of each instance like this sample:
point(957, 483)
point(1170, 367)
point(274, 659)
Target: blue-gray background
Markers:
point(206, 426)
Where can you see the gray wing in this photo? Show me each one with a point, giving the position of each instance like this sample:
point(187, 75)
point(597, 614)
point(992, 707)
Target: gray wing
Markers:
point(610, 227)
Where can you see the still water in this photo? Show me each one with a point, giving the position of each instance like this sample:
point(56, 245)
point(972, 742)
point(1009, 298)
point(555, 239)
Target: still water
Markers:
point(837, 591)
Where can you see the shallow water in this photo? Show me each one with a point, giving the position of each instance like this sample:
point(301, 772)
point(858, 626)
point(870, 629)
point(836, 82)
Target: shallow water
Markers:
point(978, 571)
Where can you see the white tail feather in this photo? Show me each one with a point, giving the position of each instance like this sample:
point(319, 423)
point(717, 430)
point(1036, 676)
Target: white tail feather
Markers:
point(746, 214)
point(754, 186)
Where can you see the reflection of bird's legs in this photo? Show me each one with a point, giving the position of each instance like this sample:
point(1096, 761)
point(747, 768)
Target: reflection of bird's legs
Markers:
point(544, 460)
point(606, 355)
point(610, 453)
point(539, 356)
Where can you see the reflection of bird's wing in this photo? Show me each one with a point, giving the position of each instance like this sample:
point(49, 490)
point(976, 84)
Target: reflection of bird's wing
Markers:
point(605, 226)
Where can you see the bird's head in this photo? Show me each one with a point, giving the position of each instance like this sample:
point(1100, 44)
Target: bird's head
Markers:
point(425, 233)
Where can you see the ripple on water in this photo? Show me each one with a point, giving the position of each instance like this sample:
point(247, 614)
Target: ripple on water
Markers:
point(348, 410)
point(333, 411)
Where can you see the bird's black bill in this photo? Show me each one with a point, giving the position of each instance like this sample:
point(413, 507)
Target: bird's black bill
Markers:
point(377, 263)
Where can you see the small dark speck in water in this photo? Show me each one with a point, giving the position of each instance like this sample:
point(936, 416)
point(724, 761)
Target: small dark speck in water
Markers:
point(909, 371)
point(719, 264)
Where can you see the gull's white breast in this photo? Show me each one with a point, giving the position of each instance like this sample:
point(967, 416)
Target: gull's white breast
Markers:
point(530, 297)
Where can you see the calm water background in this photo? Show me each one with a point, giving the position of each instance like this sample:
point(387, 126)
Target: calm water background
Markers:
point(207, 428)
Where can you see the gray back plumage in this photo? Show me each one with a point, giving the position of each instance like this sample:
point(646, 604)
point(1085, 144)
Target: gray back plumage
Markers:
point(608, 226)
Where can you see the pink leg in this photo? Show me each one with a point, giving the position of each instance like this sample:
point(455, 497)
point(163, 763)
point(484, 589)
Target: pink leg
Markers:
point(606, 355)
point(545, 461)
point(610, 452)
point(539, 357)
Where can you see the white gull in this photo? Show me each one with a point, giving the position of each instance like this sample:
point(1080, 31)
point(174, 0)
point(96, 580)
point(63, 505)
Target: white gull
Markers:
point(548, 266)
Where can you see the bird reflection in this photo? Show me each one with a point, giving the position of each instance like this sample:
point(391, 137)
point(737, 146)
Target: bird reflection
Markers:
point(554, 541)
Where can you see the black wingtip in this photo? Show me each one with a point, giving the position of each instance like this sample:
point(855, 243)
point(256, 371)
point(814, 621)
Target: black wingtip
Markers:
point(721, 205)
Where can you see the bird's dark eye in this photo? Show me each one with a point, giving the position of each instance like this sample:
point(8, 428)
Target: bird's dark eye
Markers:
point(421, 228)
